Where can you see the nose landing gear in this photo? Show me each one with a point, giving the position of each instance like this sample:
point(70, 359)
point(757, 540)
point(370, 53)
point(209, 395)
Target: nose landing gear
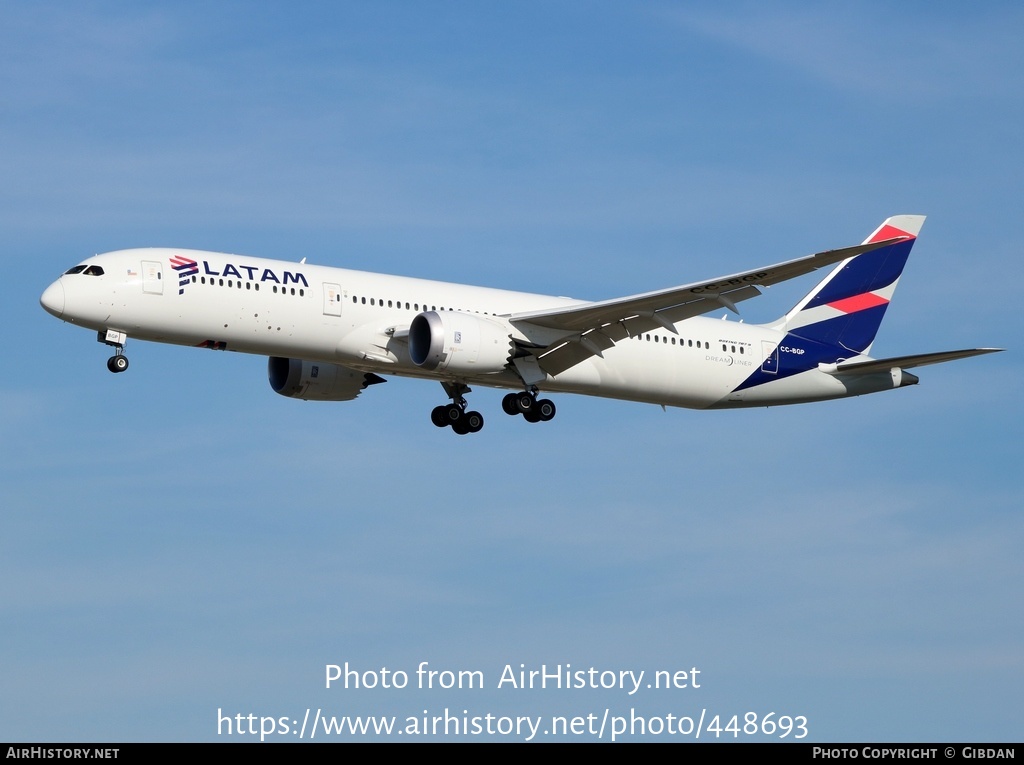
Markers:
point(118, 362)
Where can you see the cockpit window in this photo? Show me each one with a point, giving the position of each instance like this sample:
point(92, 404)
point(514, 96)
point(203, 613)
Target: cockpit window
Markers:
point(94, 271)
point(75, 270)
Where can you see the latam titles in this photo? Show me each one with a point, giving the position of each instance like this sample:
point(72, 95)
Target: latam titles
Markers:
point(256, 273)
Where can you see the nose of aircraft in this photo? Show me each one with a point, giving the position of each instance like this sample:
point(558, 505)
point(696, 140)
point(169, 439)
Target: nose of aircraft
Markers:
point(52, 299)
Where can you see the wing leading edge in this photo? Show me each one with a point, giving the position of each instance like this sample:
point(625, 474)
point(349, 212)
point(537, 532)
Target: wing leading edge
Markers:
point(591, 328)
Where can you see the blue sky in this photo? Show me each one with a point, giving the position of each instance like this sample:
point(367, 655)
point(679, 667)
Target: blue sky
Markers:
point(178, 539)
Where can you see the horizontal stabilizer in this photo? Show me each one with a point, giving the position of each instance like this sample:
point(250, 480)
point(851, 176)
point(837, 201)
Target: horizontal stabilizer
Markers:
point(870, 366)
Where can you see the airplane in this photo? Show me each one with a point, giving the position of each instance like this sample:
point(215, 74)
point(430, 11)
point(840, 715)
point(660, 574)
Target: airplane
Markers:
point(330, 333)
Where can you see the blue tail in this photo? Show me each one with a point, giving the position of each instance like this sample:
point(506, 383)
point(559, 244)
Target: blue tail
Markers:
point(847, 307)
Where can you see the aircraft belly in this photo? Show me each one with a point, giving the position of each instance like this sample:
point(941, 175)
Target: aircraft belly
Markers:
point(673, 376)
point(808, 386)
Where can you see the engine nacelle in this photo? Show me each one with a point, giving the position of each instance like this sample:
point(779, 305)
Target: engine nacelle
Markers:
point(317, 381)
point(463, 343)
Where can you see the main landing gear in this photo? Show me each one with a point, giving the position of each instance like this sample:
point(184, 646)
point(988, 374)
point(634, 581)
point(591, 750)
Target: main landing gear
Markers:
point(118, 362)
point(455, 414)
point(527, 404)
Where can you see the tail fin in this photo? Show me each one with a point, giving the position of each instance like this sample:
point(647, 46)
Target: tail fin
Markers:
point(847, 307)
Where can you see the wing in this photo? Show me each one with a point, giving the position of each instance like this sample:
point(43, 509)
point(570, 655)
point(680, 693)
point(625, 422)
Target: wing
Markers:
point(588, 329)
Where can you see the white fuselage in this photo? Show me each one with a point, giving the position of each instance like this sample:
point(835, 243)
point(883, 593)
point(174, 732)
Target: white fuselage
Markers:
point(359, 320)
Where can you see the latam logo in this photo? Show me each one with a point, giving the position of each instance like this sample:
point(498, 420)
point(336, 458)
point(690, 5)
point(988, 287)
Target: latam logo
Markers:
point(188, 268)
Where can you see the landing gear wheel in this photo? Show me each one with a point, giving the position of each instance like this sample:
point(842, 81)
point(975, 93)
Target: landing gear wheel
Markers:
point(452, 413)
point(117, 363)
point(545, 409)
point(439, 416)
point(531, 416)
point(508, 404)
point(474, 421)
point(524, 402)
point(455, 414)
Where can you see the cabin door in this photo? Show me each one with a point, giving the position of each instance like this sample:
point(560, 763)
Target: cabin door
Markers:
point(152, 277)
point(771, 357)
point(332, 300)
